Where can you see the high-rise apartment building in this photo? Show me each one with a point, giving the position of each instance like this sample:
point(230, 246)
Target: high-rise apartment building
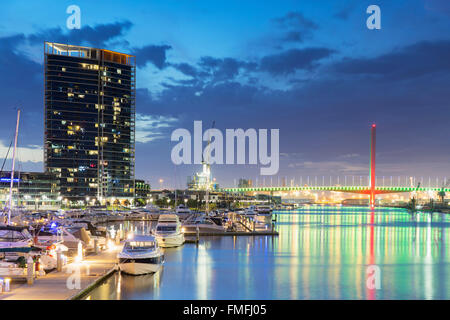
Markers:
point(90, 121)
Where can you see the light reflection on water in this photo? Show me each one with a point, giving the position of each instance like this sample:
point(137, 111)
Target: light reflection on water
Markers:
point(322, 252)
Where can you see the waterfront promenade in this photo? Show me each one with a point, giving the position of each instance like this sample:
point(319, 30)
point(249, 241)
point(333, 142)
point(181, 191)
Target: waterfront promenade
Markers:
point(63, 285)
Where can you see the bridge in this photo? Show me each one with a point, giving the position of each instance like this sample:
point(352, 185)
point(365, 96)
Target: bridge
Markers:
point(372, 190)
point(350, 189)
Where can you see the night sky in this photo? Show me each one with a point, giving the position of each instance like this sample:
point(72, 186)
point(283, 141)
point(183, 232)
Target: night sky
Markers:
point(309, 68)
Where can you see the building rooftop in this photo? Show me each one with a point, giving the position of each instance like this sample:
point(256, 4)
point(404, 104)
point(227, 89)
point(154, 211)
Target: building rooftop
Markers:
point(88, 53)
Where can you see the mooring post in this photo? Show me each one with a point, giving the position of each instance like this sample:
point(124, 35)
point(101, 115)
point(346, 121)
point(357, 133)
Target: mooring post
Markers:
point(96, 245)
point(30, 270)
point(59, 260)
point(198, 234)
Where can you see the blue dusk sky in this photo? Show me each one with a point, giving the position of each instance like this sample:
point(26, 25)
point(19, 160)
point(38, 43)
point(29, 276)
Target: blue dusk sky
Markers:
point(309, 68)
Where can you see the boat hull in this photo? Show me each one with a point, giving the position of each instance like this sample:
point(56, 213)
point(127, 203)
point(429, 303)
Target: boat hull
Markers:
point(140, 266)
point(170, 241)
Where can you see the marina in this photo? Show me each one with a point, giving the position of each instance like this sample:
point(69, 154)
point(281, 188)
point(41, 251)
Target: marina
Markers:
point(322, 247)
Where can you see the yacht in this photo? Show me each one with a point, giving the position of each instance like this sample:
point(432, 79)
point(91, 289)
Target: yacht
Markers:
point(54, 234)
point(204, 224)
point(168, 231)
point(264, 213)
point(250, 211)
point(182, 210)
point(140, 255)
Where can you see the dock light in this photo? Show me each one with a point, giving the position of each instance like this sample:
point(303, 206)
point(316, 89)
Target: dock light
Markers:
point(130, 236)
point(79, 256)
point(183, 229)
point(6, 287)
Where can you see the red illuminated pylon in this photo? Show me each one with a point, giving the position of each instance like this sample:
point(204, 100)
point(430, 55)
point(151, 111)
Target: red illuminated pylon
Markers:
point(372, 164)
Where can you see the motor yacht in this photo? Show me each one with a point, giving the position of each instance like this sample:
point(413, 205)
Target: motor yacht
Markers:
point(264, 213)
point(204, 224)
point(140, 255)
point(182, 210)
point(168, 231)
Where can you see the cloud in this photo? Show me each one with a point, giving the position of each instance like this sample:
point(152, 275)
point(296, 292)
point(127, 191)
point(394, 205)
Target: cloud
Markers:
point(295, 19)
point(30, 153)
point(296, 27)
point(151, 127)
point(96, 36)
point(156, 54)
point(214, 70)
point(294, 59)
point(411, 61)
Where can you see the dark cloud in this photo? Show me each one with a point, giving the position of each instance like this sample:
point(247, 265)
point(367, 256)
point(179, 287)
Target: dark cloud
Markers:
point(412, 61)
point(155, 54)
point(212, 69)
point(296, 27)
point(295, 20)
point(96, 36)
point(294, 59)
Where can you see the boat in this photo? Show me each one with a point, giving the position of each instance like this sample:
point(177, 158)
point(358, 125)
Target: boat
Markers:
point(182, 210)
point(140, 255)
point(55, 235)
point(250, 211)
point(16, 243)
point(168, 231)
point(264, 213)
point(204, 224)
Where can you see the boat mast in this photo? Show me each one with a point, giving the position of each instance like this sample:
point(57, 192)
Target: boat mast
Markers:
point(12, 169)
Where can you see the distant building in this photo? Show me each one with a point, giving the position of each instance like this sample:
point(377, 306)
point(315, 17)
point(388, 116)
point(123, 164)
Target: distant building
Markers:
point(142, 189)
point(245, 183)
point(33, 190)
point(90, 121)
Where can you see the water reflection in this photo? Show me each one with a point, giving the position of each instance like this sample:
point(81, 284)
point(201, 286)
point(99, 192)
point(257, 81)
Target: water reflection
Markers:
point(322, 252)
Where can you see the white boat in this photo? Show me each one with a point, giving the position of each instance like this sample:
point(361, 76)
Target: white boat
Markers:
point(250, 211)
point(264, 213)
point(168, 231)
point(140, 255)
point(204, 224)
point(182, 210)
point(53, 234)
point(152, 208)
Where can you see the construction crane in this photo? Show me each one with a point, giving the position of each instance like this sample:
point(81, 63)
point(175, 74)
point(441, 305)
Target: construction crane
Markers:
point(208, 167)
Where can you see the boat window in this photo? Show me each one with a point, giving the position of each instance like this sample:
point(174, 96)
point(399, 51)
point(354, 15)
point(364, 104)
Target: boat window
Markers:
point(166, 228)
point(140, 245)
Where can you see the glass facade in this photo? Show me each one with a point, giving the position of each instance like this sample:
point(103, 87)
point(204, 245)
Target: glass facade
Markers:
point(30, 189)
point(90, 121)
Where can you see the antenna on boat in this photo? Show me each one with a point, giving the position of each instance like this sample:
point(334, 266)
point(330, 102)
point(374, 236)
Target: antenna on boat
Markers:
point(12, 169)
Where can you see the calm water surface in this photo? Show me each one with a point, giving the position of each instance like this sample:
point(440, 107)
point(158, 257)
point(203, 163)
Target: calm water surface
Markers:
point(322, 252)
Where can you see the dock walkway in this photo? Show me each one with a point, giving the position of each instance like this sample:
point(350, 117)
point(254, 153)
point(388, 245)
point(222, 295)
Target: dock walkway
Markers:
point(66, 284)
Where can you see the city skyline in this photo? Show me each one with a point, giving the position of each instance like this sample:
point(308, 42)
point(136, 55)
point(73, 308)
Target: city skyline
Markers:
point(313, 71)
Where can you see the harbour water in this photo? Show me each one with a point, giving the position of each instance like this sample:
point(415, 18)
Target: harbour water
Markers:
point(322, 252)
